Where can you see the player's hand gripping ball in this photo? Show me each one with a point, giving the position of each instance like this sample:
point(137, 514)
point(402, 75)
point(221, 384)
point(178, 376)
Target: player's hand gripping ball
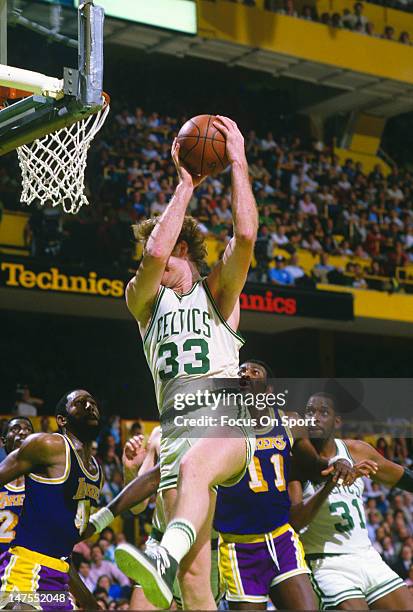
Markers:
point(202, 147)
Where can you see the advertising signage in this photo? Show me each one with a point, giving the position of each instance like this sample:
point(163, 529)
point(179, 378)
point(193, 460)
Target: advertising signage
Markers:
point(29, 275)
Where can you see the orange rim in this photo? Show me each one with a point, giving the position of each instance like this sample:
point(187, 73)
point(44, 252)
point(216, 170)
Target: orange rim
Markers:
point(11, 93)
point(106, 99)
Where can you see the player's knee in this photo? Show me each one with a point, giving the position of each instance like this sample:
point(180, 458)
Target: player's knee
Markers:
point(193, 584)
point(189, 470)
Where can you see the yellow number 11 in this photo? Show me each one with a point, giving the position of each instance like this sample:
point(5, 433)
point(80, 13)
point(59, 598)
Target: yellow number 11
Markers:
point(257, 482)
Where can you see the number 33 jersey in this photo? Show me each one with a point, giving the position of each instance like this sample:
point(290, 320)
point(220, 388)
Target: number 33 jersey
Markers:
point(56, 510)
point(188, 340)
point(340, 525)
point(11, 504)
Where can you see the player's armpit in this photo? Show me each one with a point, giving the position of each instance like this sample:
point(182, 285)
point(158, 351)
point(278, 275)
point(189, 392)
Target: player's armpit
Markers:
point(37, 450)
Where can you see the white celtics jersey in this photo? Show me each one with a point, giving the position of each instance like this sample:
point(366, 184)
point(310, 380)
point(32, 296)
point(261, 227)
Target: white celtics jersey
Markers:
point(188, 340)
point(340, 525)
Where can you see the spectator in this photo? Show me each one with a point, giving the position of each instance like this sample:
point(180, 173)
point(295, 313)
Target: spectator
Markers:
point(263, 251)
point(278, 275)
point(294, 269)
point(307, 13)
point(404, 563)
point(288, 9)
point(99, 567)
point(404, 38)
point(312, 244)
point(388, 554)
point(159, 205)
point(84, 573)
point(357, 17)
point(388, 33)
point(307, 206)
point(223, 212)
point(279, 237)
point(359, 281)
point(26, 404)
point(322, 268)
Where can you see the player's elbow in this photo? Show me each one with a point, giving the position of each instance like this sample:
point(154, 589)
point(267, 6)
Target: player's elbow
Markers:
point(246, 237)
point(247, 233)
point(156, 253)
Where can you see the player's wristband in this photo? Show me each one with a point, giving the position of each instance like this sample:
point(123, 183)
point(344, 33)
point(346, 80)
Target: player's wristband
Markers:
point(406, 481)
point(101, 519)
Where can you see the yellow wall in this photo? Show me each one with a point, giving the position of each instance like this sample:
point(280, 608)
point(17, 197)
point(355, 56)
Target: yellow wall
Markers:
point(378, 305)
point(296, 37)
point(12, 228)
point(368, 161)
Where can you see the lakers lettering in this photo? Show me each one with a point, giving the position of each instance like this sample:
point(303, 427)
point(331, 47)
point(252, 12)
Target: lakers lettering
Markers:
point(85, 489)
point(7, 501)
point(277, 442)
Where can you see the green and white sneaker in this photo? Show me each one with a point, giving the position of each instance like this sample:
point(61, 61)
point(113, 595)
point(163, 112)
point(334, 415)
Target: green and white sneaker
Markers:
point(155, 570)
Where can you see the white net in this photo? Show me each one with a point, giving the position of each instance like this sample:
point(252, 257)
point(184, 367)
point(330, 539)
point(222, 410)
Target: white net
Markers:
point(53, 167)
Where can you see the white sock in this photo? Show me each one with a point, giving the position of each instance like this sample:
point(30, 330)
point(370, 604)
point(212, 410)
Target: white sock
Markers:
point(178, 538)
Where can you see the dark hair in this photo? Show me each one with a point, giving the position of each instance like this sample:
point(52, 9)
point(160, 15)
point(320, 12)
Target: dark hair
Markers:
point(61, 406)
point(6, 425)
point(267, 368)
point(328, 396)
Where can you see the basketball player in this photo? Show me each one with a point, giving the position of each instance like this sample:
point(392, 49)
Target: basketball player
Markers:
point(189, 333)
point(15, 432)
point(260, 554)
point(136, 462)
point(63, 481)
point(348, 572)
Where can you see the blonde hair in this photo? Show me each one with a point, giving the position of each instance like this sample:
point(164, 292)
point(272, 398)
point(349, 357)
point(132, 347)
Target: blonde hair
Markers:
point(190, 232)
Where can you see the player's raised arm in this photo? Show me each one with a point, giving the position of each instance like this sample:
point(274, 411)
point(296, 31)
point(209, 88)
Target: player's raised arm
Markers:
point(143, 288)
point(228, 277)
point(134, 493)
point(136, 463)
point(36, 451)
point(388, 473)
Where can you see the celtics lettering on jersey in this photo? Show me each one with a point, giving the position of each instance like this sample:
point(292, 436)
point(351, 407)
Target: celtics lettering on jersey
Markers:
point(340, 525)
point(187, 338)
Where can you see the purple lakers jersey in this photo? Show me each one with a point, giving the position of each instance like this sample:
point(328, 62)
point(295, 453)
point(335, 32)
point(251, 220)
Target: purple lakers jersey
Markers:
point(259, 503)
point(56, 510)
point(11, 504)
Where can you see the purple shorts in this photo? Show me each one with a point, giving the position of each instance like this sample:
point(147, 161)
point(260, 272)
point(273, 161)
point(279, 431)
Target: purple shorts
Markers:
point(35, 579)
point(250, 565)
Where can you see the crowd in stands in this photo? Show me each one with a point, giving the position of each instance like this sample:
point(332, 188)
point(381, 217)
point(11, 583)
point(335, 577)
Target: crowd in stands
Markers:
point(309, 202)
point(390, 514)
point(355, 21)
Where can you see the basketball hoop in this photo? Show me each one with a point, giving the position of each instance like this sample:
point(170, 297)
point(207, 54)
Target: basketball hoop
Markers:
point(53, 166)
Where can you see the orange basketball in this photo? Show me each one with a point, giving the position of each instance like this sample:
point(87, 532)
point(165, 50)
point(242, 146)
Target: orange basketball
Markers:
point(202, 147)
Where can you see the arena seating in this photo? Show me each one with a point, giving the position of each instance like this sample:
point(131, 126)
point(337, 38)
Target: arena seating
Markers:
point(310, 204)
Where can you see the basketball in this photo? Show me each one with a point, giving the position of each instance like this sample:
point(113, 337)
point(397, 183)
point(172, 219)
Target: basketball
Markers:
point(202, 146)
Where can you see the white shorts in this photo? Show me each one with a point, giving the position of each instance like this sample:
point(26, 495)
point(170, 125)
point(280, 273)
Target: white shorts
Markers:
point(174, 448)
point(361, 575)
